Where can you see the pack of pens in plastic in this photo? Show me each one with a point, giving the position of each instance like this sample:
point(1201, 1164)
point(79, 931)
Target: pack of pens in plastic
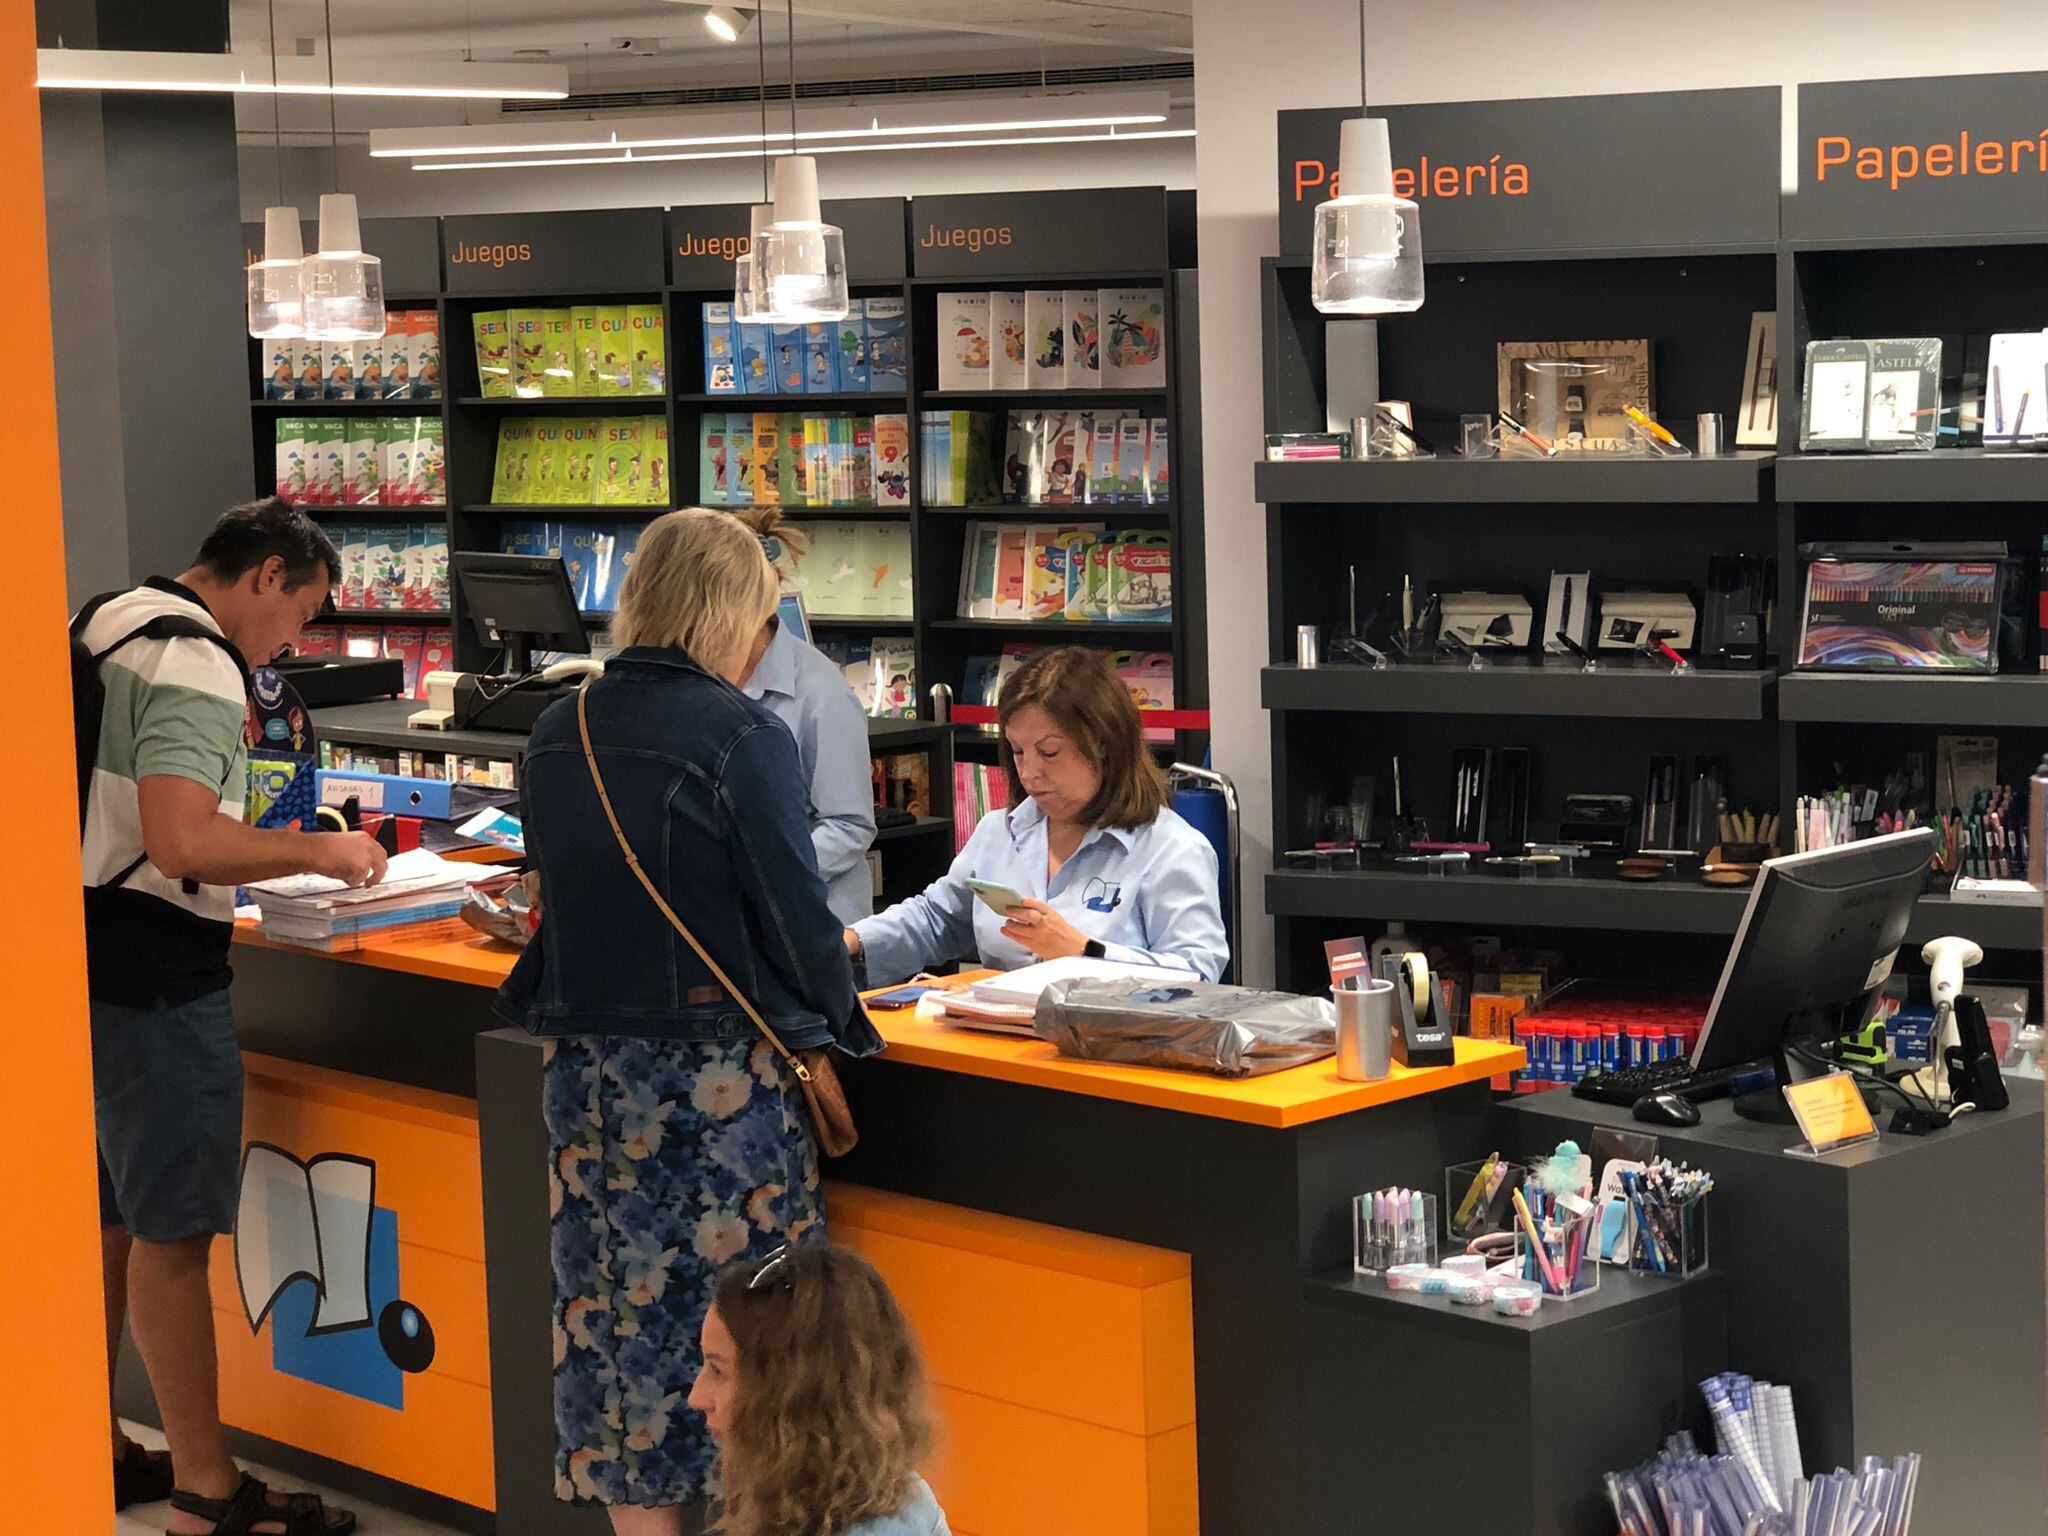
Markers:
point(1392, 1227)
point(1755, 1486)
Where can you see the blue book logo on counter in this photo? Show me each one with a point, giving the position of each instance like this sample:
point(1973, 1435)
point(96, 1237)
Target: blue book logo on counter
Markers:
point(318, 1257)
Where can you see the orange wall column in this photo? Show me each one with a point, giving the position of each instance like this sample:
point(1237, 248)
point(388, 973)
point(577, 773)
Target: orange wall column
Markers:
point(54, 1460)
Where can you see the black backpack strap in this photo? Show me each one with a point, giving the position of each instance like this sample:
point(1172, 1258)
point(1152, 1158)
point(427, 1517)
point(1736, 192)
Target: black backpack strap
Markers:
point(165, 626)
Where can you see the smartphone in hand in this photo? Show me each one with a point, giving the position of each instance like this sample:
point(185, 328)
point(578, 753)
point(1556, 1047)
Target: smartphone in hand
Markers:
point(998, 898)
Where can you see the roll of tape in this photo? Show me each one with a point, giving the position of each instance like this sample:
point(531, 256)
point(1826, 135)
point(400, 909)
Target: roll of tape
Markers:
point(1418, 979)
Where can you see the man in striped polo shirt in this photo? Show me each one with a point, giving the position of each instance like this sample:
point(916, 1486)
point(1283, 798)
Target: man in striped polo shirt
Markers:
point(165, 845)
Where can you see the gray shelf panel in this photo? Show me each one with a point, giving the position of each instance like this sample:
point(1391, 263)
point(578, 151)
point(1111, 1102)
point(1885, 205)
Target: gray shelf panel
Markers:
point(1946, 474)
point(1589, 902)
point(1736, 477)
point(1622, 1298)
point(2018, 699)
point(1520, 687)
point(1580, 902)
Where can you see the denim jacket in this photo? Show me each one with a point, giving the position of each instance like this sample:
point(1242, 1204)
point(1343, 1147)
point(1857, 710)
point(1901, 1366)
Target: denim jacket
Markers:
point(707, 788)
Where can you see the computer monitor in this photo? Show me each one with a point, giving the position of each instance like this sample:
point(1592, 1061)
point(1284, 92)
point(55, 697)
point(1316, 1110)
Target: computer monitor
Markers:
point(521, 602)
point(789, 610)
point(1817, 941)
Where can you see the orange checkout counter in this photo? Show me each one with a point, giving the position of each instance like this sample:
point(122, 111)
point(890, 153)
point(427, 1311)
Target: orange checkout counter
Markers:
point(1105, 1264)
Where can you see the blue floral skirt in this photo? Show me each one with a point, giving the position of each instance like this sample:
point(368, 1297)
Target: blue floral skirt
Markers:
point(669, 1161)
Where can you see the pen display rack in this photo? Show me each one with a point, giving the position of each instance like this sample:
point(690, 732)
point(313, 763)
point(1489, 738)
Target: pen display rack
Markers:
point(1670, 1236)
point(1390, 1227)
point(1557, 1245)
point(1478, 1198)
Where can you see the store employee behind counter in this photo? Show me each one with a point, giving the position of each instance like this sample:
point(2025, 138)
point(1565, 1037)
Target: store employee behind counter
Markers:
point(1104, 866)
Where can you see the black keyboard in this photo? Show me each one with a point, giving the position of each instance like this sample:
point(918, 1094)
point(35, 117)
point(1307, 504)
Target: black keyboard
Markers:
point(1673, 1076)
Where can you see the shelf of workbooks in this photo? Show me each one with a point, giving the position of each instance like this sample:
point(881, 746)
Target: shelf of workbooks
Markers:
point(1061, 481)
point(1457, 525)
point(570, 385)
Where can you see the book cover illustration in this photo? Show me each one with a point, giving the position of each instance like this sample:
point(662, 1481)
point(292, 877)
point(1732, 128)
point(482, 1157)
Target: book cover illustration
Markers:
point(395, 471)
point(615, 357)
point(582, 440)
point(788, 351)
point(1134, 338)
point(1141, 578)
point(423, 330)
point(355, 566)
point(549, 462)
point(892, 461)
point(340, 370)
point(1045, 327)
point(327, 461)
point(389, 566)
point(1007, 341)
point(1084, 338)
point(1102, 458)
point(851, 364)
point(586, 349)
point(397, 361)
point(721, 360)
point(888, 352)
point(529, 352)
point(280, 370)
point(1158, 476)
point(493, 352)
point(621, 464)
point(739, 460)
point(370, 358)
point(860, 464)
point(430, 466)
point(293, 475)
point(711, 460)
point(1132, 440)
point(311, 357)
point(820, 341)
point(649, 346)
point(963, 341)
point(365, 463)
point(558, 354)
point(655, 490)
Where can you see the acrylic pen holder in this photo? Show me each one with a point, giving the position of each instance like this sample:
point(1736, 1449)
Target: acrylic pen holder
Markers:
point(1568, 1263)
point(1670, 1240)
point(1478, 1198)
point(1382, 1237)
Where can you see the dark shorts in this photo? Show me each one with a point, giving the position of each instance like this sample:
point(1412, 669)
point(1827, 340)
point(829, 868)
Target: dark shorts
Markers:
point(167, 1102)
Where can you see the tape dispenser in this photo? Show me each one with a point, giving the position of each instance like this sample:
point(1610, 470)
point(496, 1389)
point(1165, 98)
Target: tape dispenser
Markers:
point(1422, 1035)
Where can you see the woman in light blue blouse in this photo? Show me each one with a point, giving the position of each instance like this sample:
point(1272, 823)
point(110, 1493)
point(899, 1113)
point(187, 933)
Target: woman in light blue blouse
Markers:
point(1105, 867)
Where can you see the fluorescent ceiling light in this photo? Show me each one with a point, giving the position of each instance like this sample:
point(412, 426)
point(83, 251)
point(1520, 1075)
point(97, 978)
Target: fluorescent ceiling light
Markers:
point(90, 69)
point(725, 23)
point(1007, 115)
point(630, 158)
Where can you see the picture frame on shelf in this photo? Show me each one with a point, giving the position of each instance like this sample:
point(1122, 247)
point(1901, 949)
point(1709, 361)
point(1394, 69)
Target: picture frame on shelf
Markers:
point(1575, 393)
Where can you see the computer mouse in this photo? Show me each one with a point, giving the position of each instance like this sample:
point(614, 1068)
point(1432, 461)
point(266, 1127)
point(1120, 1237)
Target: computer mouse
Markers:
point(1667, 1108)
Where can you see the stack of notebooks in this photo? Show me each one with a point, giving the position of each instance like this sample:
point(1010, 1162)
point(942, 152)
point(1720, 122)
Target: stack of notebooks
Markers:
point(787, 459)
point(578, 461)
point(420, 897)
point(582, 352)
point(1006, 1004)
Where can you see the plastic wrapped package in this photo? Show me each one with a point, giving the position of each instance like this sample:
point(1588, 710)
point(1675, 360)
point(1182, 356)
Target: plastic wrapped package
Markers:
point(1194, 1025)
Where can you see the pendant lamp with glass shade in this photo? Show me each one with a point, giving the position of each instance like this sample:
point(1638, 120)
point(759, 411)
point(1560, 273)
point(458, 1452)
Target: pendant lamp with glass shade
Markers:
point(343, 286)
point(1368, 241)
point(275, 309)
point(800, 262)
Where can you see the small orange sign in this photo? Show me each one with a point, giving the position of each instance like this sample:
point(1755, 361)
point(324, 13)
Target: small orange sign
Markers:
point(1830, 1111)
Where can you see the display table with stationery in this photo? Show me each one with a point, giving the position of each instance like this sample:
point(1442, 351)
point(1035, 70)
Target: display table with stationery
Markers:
point(1105, 1264)
point(1895, 1286)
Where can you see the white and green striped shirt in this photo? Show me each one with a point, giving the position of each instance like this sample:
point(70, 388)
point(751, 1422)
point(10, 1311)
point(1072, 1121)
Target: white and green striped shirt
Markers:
point(173, 707)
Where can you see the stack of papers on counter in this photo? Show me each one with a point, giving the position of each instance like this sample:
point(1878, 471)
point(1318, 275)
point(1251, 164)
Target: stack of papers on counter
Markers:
point(419, 893)
point(2009, 892)
point(1007, 1003)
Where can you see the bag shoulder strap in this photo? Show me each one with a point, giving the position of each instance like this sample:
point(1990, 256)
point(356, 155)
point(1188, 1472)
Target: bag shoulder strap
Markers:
point(803, 1073)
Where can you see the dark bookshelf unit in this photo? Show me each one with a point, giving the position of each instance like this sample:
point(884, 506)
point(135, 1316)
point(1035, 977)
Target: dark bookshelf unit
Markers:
point(1506, 525)
point(679, 258)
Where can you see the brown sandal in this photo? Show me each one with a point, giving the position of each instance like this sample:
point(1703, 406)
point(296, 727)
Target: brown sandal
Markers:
point(250, 1507)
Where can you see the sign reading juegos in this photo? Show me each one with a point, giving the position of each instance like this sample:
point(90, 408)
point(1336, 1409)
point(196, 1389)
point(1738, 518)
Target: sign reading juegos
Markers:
point(1942, 155)
point(602, 250)
point(1560, 173)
